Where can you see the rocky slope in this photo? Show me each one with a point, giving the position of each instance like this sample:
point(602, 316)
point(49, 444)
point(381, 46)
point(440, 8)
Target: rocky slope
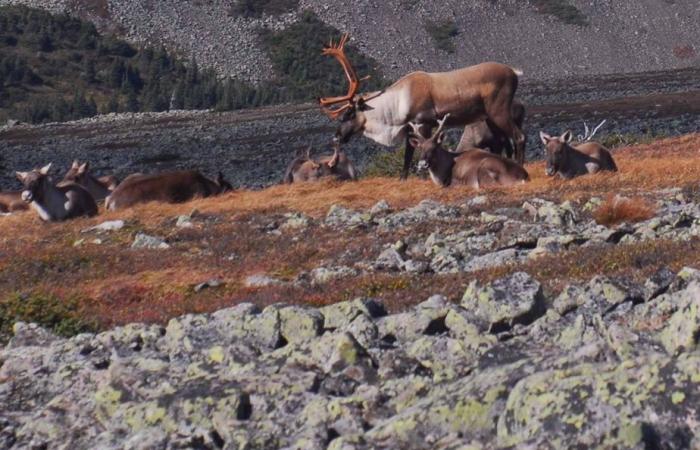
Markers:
point(622, 36)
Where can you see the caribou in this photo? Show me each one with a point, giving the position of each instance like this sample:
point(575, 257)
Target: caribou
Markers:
point(484, 91)
point(168, 187)
point(485, 136)
point(11, 201)
point(99, 188)
point(474, 167)
point(55, 203)
point(570, 161)
point(305, 168)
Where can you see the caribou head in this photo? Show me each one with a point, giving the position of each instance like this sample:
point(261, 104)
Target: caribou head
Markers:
point(428, 147)
point(556, 149)
point(352, 106)
point(35, 183)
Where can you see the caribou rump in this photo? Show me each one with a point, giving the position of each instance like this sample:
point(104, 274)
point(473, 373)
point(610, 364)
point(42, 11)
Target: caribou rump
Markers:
point(570, 161)
point(168, 187)
point(484, 91)
point(11, 201)
point(474, 167)
point(80, 174)
point(305, 168)
point(55, 203)
point(486, 136)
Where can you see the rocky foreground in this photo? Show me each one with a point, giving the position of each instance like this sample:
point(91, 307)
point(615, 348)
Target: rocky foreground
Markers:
point(604, 364)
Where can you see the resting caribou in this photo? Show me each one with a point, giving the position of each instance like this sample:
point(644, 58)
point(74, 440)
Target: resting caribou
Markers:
point(99, 188)
point(571, 161)
point(485, 136)
point(55, 203)
point(476, 168)
point(168, 187)
point(11, 201)
point(484, 91)
point(305, 168)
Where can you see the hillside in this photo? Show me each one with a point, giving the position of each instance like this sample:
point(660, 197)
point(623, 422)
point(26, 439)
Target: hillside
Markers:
point(365, 315)
point(546, 38)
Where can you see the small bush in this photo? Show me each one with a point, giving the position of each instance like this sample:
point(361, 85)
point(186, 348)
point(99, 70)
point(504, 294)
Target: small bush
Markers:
point(63, 317)
point(617, 209)
point(562, 10)
point(627, 139)
point(442, 33)
point(389, 164)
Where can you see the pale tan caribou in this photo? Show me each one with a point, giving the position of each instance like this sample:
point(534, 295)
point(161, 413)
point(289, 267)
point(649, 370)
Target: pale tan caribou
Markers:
point(484, 91)
point(570, 161)
point(305, 168)
point(474, 167)
point(99, 188)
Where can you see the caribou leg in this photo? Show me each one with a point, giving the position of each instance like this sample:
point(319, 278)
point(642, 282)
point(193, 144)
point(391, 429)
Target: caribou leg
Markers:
point(510, 129)
point(407, 157)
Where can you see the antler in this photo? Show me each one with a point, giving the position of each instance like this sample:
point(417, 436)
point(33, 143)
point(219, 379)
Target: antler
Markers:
point(441, 125)
point(338, 52)
point(587, 134)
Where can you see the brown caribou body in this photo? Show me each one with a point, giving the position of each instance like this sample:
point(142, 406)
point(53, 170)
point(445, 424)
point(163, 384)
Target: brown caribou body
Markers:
point(99, 188)
point(55, 203)
point(475, 168)
point(485, 136)
point(168, 187)
point(481, 92)
point(305, 168)
point(571, 161)
point(11, 201)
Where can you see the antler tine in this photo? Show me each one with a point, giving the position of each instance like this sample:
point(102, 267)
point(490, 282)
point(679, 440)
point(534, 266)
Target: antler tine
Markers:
point(337, 112)
point(415, 129)
point(441, 125)
point(595, 130)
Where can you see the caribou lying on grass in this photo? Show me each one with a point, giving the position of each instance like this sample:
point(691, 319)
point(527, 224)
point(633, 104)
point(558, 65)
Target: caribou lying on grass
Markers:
point(475, 168)
point(484, 91)
point(11, 201)
point(305, 168)
point(571, 161)
point(169, 187)
point(99, 188)
point(485, 136)
point(55, 203)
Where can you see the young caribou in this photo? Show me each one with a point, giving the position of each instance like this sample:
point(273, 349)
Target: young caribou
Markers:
point(484, 91)
point(55, 203)
point(11, 201)
point(305, 168)
point(475, 168)
point(485, 136)
point(571, 161)
point(99, 188)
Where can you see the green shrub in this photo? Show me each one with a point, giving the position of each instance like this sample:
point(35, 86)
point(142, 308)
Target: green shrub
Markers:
point(442, 33)
point(627, 139)
point(63, 317)
point(562, 10)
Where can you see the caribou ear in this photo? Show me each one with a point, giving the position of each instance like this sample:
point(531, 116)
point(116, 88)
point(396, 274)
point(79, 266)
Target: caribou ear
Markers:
point(363, 106)
point(567, 136)
point(45, 170)
point(21, 176)
point(83, 168)
point(545, 137)
point(75, 164)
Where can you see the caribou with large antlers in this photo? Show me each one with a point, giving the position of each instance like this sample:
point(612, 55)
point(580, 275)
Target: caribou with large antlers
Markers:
point(484, 91)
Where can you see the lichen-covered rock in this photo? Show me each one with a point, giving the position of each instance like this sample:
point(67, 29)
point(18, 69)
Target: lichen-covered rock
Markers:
point(507, 301)
point(682, 332)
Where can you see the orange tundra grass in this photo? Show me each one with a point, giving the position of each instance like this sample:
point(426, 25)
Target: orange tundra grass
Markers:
point(617, 209)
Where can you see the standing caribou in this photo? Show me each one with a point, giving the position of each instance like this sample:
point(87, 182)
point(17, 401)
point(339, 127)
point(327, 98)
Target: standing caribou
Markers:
point(305, 168)
point(475, 167)
point(484, 91)
point(55, 203)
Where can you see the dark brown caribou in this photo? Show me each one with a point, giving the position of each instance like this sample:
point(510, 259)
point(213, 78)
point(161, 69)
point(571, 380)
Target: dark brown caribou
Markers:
point(570, 161)
point(475, 168)
point(167, 187)
point(55, 203)
point(484, 91)
point(486, 136)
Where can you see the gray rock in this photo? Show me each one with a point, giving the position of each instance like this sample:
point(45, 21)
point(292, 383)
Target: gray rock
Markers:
point(389, 259)
point(261, 280)
point(110, 225)
point(144, 241)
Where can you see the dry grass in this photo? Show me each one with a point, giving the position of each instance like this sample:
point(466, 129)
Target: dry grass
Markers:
point(116, 285)
point(617, 209)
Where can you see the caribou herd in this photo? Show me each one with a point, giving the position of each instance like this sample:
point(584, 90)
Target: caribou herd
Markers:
point(415, 111)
